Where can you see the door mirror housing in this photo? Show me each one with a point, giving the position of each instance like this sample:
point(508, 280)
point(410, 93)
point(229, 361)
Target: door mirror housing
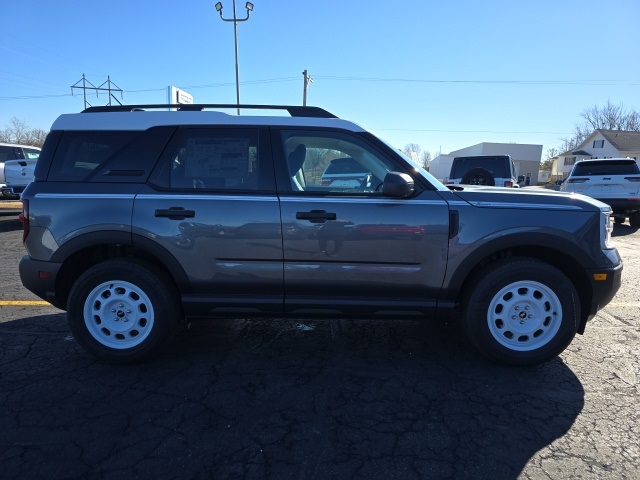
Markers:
point(397, 185)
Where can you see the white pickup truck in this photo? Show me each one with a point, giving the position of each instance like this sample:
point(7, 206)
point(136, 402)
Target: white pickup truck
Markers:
point(17, 164)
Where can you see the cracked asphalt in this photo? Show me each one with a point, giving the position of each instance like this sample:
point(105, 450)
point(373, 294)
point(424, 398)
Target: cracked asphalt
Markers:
point(306, 399)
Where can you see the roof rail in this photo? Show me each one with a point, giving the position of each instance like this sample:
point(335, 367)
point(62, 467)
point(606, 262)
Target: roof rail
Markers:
point(294, 110)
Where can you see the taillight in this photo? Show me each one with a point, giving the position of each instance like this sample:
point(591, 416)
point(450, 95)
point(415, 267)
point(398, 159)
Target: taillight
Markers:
point(24, 218)
point(577, 180)
point(508, 183)
point(632, 179)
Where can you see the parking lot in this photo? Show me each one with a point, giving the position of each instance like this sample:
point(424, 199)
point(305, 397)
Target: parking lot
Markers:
point(316, 399)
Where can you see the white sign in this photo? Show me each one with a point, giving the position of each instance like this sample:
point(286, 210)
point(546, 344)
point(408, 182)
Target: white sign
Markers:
point(178, 97)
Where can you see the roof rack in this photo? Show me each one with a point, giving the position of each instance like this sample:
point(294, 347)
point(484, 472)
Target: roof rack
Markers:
point(294, 110)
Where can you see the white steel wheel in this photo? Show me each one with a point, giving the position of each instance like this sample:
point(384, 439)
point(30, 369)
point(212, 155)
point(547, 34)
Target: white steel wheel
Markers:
point(520, 311)
point(118, 314)
point(124, 310)
point(524, 315)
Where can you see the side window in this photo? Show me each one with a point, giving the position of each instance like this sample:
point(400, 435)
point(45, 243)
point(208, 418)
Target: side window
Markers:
point(31, 153)
point(6, 153)
point(332, 162)
point(216, 159)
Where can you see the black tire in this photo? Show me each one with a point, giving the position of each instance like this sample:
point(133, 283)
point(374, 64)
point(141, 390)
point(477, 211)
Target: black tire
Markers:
point(478, 176)
point(122, 311)
point(634, 220)
point(521, 311)
point(618, 220)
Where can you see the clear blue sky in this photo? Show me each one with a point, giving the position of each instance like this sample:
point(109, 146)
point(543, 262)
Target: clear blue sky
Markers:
point(442, 74)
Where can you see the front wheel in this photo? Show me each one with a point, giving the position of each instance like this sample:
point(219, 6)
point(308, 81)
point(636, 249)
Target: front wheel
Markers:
point(521, 311)
point(122, 311)
point(634, 220)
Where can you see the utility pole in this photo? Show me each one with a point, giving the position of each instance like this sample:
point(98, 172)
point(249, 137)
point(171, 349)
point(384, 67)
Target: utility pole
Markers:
point(235, 20)
point(109, 89)
point(307, 81)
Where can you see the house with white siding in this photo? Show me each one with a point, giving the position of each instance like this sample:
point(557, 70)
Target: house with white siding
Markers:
point(600, 144)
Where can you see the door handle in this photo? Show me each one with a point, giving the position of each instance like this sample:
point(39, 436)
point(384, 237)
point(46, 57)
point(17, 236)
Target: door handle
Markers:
point(175, 213)
point(316, 216)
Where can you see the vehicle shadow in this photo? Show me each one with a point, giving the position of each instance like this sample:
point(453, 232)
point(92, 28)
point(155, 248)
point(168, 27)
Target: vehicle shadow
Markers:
point(10, 223)
point(277, 398)
point(623, 229)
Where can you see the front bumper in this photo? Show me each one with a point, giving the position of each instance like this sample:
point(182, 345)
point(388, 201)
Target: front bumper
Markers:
point(605, 282)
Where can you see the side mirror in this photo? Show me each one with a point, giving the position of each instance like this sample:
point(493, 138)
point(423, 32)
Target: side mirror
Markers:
point(397, 185)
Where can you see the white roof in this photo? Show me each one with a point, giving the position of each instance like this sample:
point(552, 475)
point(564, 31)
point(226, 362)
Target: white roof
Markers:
point(142, 120)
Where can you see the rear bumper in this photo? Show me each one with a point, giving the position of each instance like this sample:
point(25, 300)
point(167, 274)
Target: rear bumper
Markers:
point(622, 205)
point(10, 192)
point(40, 278)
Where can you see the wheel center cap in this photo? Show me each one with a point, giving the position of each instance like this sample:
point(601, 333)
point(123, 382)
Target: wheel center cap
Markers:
point(522, 315)
point(120, 313)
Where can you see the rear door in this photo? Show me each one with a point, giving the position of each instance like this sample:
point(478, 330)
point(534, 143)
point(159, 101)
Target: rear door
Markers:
point(211, 205)
point(354, 251)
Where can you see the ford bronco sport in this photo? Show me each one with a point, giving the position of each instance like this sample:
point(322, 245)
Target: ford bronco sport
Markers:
point(139, 217)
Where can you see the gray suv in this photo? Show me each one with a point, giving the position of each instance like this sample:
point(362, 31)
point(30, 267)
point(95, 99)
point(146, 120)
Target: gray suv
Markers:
point(139, 217)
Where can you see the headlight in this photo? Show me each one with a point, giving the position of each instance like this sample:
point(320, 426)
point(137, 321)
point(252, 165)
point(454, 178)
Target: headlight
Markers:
point(606, 227)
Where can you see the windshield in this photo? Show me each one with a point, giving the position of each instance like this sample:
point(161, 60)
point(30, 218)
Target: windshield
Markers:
point(430, 178)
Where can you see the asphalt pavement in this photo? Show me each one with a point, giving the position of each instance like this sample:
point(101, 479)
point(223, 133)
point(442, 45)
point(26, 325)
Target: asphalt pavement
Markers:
point(306, 399)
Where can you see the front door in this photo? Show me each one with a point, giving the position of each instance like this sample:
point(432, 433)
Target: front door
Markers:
point(347, 248)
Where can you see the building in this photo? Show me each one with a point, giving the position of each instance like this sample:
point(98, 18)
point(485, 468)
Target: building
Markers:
point(526, 158)
point(600, 144)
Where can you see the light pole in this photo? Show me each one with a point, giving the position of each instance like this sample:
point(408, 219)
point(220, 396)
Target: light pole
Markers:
point(235, 20)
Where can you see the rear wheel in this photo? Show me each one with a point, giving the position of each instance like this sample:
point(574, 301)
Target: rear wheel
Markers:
point(122, 311)
point(521, 311)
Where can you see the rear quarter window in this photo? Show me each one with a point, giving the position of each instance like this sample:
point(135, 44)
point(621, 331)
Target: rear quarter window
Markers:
point(107, 156)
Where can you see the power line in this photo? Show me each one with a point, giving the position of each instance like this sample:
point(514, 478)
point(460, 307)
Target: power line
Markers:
point(462, 131)
point(481, 82)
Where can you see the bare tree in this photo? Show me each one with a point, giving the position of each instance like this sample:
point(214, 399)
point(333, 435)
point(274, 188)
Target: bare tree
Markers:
point(425, 159)
point(411, 148)
point(19, 132)
point(607, 117)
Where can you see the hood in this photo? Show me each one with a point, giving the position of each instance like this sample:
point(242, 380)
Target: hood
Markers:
point(537, 198)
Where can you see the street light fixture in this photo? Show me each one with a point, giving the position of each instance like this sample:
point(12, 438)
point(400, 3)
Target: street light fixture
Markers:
point(235, 20)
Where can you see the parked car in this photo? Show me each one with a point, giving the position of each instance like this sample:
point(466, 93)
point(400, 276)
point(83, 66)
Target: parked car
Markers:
point(343, 173)
point(137, 219)
point(17, 163)
point(489, 170)
point(614, 181)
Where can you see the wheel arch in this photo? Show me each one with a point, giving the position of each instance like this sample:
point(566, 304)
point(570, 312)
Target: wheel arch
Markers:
point(84, 251)
point(559, 252)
